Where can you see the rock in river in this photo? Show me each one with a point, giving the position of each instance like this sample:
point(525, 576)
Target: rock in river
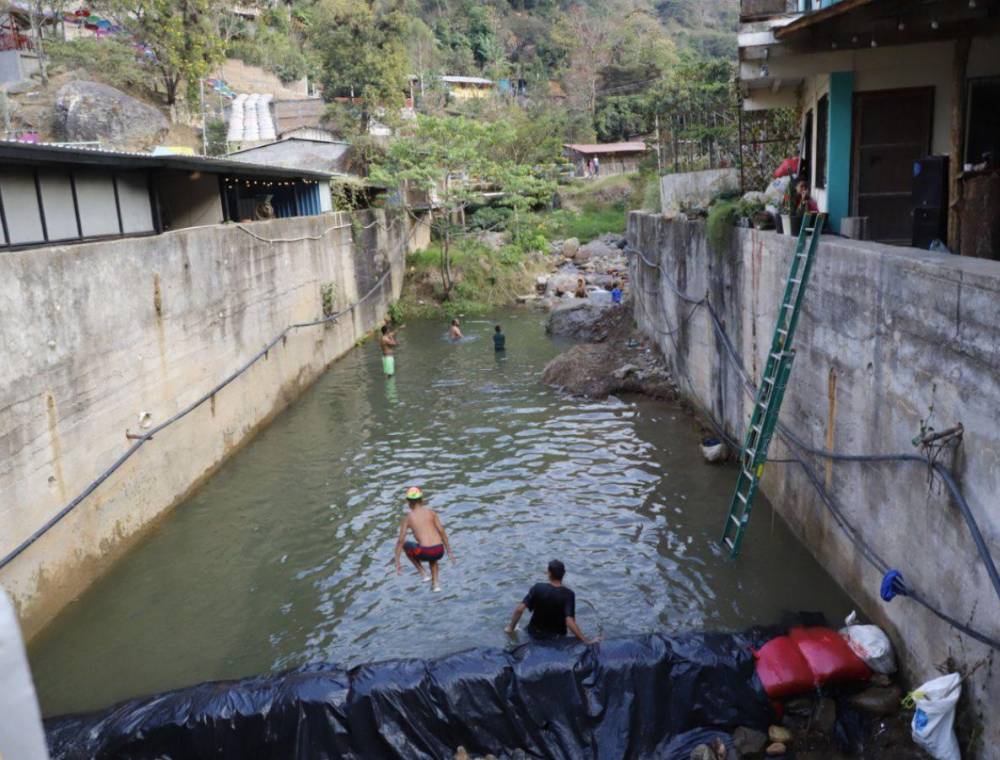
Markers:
point(580, 319)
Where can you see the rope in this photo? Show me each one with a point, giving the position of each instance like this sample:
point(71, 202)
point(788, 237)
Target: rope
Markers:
point(790, 437)
point(58, 516)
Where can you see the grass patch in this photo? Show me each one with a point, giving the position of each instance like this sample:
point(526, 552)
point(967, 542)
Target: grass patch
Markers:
point(585, 225)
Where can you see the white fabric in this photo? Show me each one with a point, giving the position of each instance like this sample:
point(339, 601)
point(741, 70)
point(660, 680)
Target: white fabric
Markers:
point(21, 734)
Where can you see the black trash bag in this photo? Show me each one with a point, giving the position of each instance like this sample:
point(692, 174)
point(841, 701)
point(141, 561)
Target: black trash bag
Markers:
point(626, 698)
point(681, 746)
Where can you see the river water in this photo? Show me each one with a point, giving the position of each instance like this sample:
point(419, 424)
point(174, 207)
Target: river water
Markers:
point(285, 555)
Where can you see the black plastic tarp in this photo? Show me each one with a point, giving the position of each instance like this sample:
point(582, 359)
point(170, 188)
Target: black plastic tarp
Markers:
point(624, 698)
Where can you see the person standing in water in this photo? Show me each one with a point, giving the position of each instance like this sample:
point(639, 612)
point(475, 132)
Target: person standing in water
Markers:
point(455, 332)
point(499, 339)
point(431, 543)
point(552, 606)
point(388, 343)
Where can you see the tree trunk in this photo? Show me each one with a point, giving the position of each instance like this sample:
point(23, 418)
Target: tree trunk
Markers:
point(36, 29)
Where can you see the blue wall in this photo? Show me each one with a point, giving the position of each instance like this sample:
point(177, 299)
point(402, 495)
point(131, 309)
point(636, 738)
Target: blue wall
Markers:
point(838, 184)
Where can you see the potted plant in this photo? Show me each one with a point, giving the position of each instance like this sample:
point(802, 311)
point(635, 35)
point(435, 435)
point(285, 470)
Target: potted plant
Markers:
point(790, 223)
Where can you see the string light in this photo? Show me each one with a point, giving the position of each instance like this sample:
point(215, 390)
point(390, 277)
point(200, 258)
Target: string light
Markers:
point(934, 24)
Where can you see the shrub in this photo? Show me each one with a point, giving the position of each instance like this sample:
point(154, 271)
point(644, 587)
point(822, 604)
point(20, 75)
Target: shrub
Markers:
point(109, 59)
point(722, 218)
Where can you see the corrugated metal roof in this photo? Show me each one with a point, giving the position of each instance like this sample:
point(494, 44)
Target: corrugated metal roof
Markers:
point(618, 147)
point(466, 80)
point(49, 153)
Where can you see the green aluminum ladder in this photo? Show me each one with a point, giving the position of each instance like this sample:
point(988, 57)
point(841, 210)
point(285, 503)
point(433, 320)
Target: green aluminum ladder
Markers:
point(767, 405)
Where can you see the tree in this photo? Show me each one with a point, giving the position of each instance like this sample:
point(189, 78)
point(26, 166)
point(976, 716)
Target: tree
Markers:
point(179, 37)
point(363, 55)
point(458, 159)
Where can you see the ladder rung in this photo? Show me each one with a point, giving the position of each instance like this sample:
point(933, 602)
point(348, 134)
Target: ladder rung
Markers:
point(800, 255)
point(735, 519)
point(741, 497)
point(777, 354)
point(787, 306)
point(748, 473)
point(729, 542)
point(792, 279)
point(783, 332)
point(769, 380)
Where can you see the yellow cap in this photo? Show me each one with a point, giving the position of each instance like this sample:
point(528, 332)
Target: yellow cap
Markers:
point(414, 494)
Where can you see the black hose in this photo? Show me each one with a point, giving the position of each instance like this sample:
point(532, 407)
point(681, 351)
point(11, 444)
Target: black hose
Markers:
point(58, 516)
point(853, 535)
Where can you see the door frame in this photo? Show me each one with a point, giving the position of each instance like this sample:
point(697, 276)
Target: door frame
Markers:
point(856, 131)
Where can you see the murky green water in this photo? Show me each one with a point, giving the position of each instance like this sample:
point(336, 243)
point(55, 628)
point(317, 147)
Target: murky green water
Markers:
point(284, 557)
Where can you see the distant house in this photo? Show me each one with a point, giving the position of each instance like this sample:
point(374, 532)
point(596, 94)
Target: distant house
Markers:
point(53, 194)
point(613, 158)
point(899, 105)
point(467, 88)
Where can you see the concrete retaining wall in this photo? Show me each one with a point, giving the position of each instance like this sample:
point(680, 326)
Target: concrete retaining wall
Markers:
point(886, 334)
point(97, 336)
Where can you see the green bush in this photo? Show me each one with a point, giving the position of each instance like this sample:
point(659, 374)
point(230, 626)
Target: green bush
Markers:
point(587, 225)
point(722, 218)
point(491, 218)
point(109, 59)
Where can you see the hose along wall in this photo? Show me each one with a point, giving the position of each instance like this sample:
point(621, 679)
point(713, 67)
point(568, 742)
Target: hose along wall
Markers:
point(795, 442)
point(139, 442)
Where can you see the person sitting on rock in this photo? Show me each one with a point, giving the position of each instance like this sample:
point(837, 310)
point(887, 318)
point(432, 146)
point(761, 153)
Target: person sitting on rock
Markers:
point(581, 289)
point(616, 292)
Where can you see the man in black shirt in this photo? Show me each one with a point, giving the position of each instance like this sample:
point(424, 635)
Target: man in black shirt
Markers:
point(552, 606)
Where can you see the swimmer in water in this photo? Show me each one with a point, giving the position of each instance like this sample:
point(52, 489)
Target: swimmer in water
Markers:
point(553, 608)
point(431, 543)
point(454, 332)
point(388, 343)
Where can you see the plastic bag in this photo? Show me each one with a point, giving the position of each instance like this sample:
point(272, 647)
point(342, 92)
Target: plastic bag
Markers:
point(870, 643)
point(933, 726)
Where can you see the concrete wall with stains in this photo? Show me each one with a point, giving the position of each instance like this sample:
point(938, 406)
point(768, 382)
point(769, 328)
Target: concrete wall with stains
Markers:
point(886, 334)
point(103, 339)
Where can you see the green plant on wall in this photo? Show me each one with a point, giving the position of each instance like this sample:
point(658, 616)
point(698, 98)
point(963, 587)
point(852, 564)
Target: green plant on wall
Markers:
point(328, 294)
point(397, 312)
point(722, 218)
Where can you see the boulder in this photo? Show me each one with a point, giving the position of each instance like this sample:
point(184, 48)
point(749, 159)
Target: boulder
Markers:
point(580, 319)
point(776, 750)
point(779, 735)
point(570, 246)
point(878, 700)
point(88, 111)
point(598, 249)
point(582, 256)
point(748, 741)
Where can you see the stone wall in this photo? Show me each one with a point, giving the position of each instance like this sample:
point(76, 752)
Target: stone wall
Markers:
point(885, 335)
point(106, 339)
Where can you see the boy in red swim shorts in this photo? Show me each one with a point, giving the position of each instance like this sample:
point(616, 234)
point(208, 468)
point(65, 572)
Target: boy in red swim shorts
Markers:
point(431, 543)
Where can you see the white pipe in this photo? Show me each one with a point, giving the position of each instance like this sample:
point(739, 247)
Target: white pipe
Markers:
point(21, 734)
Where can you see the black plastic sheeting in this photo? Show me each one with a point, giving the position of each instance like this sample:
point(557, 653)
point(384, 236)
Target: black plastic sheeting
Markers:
point(648, 696)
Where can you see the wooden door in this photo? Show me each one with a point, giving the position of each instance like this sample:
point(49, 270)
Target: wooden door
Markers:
point(892, 128)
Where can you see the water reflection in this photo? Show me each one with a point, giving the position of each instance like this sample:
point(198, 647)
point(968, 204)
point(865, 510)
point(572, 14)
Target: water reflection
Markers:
point(285, 556)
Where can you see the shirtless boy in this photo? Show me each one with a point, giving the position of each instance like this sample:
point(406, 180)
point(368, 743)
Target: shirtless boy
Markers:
point(387, 343)
point(431, 543)
point(455, 332)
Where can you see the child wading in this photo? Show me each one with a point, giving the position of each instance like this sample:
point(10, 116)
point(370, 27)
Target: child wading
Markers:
point(431, 543)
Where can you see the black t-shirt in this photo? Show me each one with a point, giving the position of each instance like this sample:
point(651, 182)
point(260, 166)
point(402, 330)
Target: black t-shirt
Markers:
point(499, 342)
point(550, 606)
